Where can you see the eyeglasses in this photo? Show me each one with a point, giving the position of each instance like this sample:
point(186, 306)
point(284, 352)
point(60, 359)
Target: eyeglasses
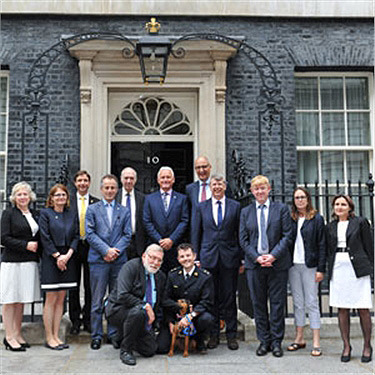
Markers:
point(58, 195)
point(300, 198)
point(154, 258)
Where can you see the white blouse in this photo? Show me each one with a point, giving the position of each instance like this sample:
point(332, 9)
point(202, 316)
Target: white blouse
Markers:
point(342, 227)
point(33, 224)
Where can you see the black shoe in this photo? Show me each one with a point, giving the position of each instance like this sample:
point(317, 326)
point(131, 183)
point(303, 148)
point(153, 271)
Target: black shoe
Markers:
point(262, 350)
point(74, 330)
point(57, 347)
point(13, 349)
point(25, 345)
point(114, 342)
point(64, 346)
point(364, 358)
point(232, 344)
point(96, 344)
point(128, 358)
point(346, 358)
point(201, 347)
point(277, 351)
point(213, 342)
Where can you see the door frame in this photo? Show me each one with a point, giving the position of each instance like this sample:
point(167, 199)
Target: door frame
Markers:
point(103, 69)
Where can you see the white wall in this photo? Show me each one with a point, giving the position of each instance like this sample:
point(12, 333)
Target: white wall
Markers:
point(259, 8)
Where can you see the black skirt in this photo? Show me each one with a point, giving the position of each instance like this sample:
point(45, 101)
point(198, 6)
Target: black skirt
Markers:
point(54, 279)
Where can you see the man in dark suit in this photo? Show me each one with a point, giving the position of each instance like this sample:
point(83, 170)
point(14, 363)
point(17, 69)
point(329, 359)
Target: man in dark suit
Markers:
point(108, 232)
point(79, 201)
point(133, 305)
point(133, 199)
point(166, 217)
point(216, 241)
point(199, 191)
point(195, 285)
point(265, 237)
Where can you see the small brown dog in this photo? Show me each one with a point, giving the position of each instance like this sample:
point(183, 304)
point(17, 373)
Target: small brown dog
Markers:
point(184, 309)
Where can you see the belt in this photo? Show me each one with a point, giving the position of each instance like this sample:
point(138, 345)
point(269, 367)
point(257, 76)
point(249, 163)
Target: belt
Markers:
point(342, 250)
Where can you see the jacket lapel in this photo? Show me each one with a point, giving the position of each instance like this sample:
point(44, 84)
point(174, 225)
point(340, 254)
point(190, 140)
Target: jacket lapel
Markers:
point(104, 214)
point(350, 230)
point(171, 202)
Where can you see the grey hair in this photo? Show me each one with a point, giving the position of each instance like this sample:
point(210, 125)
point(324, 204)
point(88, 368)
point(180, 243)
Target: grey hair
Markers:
point(22, 185)
point(165, 169)
point(129, 169)
point(154, 247)
point(218, 177)
point(109, 177)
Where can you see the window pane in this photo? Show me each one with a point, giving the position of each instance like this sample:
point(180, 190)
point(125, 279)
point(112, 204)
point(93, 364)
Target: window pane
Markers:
point(332, 93)
point(306, 93)
point(307, 129)
point(359, 129)
point(332, 166)
point(3, 93)
point(307, 167)
point(357, 165)
point(357, 93)
point(2, 132)
point(333, 129)
point(2, 173)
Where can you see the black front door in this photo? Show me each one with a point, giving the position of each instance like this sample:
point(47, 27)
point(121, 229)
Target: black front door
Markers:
point(147, 158)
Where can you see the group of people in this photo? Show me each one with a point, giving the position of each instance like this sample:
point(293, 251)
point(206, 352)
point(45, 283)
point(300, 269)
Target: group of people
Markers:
point(141, 254)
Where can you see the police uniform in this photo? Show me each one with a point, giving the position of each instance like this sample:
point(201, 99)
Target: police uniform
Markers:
point(198, 289)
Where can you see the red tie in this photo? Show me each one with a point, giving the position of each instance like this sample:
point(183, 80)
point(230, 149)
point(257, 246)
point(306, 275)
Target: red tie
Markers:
point(203, 195)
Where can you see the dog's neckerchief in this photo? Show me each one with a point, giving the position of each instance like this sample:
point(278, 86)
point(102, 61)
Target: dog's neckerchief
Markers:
point(190, 329)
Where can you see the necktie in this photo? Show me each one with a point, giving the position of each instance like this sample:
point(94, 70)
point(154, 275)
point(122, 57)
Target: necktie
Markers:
point(129, 207)
point(165, 201)
point(187, 277)
point(149, 290)
point(263, 231)
point(82, 216)
point(109, 213)
point(219, 214)
point(203, 194)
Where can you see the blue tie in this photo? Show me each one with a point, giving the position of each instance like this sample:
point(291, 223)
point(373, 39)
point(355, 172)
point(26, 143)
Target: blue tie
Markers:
point(263, 231)
point(109, 213)
point(219, 214)
point(148, 298)
point(129, 207)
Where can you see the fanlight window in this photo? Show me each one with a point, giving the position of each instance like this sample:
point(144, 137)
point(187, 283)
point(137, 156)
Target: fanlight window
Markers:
point(151, 116)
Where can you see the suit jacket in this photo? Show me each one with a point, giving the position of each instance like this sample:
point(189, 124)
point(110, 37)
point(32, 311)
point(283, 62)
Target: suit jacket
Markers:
point(58, 230)
point(279, 233)
point(160, 224)
point(314, 242)
point(15, 234)
point(359, 243)
point(140, 236)
point(130, 289)
point(101, 236)
point(192, 192)
point(213, 243)
point(74, 205)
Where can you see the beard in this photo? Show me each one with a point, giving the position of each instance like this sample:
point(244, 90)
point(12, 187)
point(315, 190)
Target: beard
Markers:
point(150, 269)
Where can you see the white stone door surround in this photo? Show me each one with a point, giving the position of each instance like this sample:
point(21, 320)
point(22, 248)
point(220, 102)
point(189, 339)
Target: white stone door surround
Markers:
point(103, 70)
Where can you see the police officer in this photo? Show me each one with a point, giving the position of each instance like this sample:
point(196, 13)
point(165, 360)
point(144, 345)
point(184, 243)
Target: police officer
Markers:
point(195, 285)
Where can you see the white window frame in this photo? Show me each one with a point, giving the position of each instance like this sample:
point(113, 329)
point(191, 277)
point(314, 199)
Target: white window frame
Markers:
point(5, 73)
point(370, 148)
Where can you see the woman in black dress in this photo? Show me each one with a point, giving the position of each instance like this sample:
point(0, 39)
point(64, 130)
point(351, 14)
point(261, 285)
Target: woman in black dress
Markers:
point(19, 264)
point(59, 236)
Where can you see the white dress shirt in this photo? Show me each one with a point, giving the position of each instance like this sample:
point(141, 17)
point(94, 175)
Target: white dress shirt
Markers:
point(132, 205)
point(208, 190)
point(79, 202)
point(169, 196)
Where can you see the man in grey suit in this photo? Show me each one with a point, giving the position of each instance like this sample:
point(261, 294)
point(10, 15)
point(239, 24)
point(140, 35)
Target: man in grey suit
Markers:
point(265, 237)
point(133, 200)
point(108, 232)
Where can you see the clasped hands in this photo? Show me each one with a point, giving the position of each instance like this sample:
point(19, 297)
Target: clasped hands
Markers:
point(166, 243)
point(63, 259)
point(112, 254)
point(266, 260)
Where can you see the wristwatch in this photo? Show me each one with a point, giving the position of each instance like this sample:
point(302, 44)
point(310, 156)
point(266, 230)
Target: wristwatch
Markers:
point(193, 314)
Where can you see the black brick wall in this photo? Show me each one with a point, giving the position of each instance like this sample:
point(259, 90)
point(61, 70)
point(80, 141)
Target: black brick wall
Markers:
point(287, 44)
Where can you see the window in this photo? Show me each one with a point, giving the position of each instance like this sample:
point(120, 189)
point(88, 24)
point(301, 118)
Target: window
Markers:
point(4, 115)
point(334, 136)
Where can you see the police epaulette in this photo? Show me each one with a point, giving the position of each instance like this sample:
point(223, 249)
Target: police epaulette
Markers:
point(174, 269)
point(205, 271)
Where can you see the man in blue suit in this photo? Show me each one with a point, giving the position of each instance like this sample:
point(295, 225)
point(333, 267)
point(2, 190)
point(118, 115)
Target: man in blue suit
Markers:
point(265, 237)
point(108, 231)
point(166, 217)
point(216, 241)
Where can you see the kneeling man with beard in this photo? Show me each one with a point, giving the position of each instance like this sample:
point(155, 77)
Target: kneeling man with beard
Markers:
point(135, 302)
